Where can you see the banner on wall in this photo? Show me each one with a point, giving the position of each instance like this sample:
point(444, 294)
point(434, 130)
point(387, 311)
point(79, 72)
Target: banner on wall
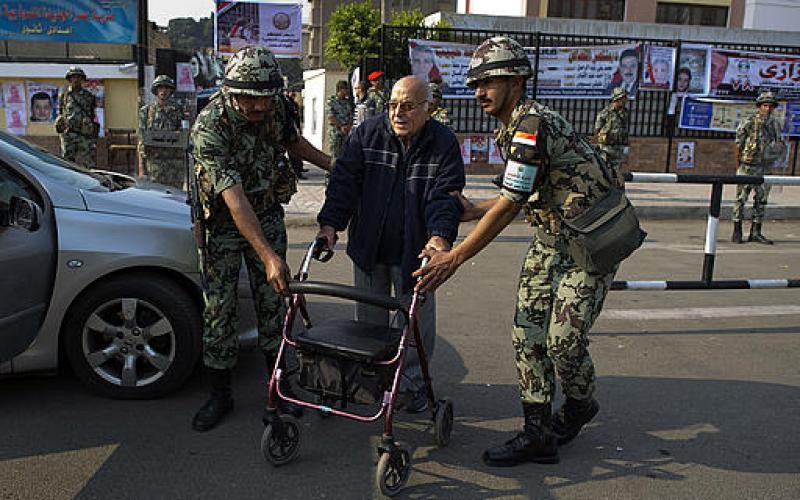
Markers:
point(42, 102)
point(443, 63)
point(725, 116)
point(693, 69)
point(276, 26)
point(587, 72)
point(88, 21)
point(657, 67)
point(739, 74)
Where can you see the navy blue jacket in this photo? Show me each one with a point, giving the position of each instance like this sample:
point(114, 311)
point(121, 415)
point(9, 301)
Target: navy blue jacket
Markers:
point(360, 189)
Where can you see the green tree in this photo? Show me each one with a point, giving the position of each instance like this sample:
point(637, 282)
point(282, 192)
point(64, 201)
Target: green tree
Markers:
point(353, 34)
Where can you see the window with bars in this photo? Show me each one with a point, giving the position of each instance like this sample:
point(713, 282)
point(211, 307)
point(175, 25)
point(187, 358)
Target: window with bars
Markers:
point(605, 10)
point(681, 13)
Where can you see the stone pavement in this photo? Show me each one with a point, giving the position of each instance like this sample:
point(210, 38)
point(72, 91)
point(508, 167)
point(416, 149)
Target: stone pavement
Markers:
point(652, 200)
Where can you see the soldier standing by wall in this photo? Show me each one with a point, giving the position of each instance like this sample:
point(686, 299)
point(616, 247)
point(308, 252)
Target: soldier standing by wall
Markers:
point(377, 95)
point(554, 173)
point(75, 122)
point(235, 140)
point(611, 132)
point(340, 117)
point(163, 165)
point(759, 143)
point(438, 112)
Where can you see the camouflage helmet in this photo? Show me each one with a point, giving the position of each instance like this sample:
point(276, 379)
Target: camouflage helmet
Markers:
point(618, 93)
point(253, 71)
point(498, 56)
point(767, 98)
point(435, 90)
point(75, 70)
point(162, 81)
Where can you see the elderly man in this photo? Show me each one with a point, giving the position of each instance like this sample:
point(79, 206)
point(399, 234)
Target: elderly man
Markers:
point(391, 186)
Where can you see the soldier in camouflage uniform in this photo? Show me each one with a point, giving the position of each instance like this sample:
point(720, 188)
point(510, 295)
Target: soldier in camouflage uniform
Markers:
point(553, 173)
point(163, 165)
point(438, 113)
point(377, 95)
point(340, 117)
point(611, 133)
point(235, 139)
point(75, 122)
point(753, 137)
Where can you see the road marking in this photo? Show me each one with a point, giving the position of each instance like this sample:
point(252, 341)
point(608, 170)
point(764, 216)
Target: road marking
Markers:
point(699, 312)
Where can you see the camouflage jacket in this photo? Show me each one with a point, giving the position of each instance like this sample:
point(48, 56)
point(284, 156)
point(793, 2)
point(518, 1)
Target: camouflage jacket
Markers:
point(229, 150)
point(612, 126)
point(572, 179)
point(155, 117)
point(77, 109)
point(342, 110)
point(754, 134)
point(442, 116)
point(377, 99)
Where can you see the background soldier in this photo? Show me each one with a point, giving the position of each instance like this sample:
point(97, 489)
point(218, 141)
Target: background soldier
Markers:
point(340, 117)
point(759, 144)
point(438, 112)
point(377, 95)
point(163, 165)
point(235, 139)
point(553, 172)
point(611, 133)
point(75, 123)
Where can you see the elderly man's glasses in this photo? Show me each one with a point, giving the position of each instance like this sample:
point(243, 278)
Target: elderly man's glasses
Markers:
point(405, 106)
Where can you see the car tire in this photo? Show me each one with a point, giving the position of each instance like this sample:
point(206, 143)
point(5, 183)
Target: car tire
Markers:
point(134, 336)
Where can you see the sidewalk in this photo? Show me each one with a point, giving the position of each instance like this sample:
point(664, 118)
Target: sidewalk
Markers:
point(652, 201)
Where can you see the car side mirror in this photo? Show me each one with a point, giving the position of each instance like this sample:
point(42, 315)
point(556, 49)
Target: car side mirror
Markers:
point(24, 214)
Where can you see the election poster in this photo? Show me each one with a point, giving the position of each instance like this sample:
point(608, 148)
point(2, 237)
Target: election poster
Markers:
point(276, 26)
point(87, 21)
point(693, 68)
point(685, 155)
point(443, 63)
point(725, 115)
point(738, 74)
point(13, 93)
point(591, 72)
point(466, 148)
point(185, 81)
point(42, 102)
point(98, 88)
point(657, 67)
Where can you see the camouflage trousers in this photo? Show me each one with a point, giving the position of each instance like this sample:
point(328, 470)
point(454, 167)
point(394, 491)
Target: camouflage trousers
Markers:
point(336, 140)
point(614, 156)
point(79, 149)
point(166, 170)
point(557, 303)
point(760, 194)
point(225, 249)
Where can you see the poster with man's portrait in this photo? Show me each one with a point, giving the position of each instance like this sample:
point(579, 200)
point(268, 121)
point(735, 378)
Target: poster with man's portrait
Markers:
point(185, 80)
point(42, 102)
point(13, 93)
point(657, 65)
point(685, 155)
point(16, 119)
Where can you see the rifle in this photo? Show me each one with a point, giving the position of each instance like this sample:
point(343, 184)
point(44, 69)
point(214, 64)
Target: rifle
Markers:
point(198, 216)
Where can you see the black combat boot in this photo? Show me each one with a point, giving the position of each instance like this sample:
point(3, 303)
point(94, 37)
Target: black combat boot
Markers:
point(286, 388)
point(755, 234)
point(572, 416)
point(536, 443)
point(737, 232)
point(218, 405)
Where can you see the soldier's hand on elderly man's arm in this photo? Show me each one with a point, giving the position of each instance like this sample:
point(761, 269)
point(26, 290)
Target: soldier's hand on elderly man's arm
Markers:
point(436, 244)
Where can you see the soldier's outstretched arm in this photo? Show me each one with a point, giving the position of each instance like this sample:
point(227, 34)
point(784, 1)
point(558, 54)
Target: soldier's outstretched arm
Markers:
point(443, 265)
point(247, 223)
point(306, 151)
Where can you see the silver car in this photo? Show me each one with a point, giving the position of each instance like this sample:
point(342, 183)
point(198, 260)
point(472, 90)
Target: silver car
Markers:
point(97, 272)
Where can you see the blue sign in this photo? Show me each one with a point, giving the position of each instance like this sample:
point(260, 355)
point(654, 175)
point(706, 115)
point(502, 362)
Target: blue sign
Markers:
point(87, 21)
point(696, 114)
point(792, 125)
point(724, 116)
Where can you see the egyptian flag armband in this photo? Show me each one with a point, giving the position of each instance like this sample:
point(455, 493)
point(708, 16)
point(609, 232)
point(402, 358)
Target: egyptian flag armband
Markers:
point(525, 165)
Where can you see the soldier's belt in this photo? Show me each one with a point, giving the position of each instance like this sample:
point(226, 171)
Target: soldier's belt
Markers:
point(175, 139)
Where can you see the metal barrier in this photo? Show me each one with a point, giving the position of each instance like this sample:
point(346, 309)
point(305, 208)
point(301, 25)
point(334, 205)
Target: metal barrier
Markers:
point(707, 281)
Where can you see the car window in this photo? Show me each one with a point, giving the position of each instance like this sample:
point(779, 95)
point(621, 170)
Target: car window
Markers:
point(36, 158)
point(12, 184)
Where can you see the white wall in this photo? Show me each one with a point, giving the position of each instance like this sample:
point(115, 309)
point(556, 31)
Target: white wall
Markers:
point(319, 85)
point(780, 15)
point(492, 7)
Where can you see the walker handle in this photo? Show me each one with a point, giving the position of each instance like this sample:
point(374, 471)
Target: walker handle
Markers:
point(320, 251)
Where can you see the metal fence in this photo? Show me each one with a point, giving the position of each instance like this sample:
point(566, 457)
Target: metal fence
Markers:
point(649, 112)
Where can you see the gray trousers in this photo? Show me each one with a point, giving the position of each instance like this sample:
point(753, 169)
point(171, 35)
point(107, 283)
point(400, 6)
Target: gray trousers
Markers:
point(387, 280)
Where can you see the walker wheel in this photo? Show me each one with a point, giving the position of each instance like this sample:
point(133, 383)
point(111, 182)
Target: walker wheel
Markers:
point(281, 440)
point(394, 468)
point(443, 422)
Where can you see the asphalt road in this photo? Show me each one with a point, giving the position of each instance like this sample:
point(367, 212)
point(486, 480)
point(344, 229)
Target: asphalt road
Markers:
point(699, 395)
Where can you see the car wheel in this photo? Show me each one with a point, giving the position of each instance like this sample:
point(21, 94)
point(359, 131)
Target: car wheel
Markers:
point(134, 337)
